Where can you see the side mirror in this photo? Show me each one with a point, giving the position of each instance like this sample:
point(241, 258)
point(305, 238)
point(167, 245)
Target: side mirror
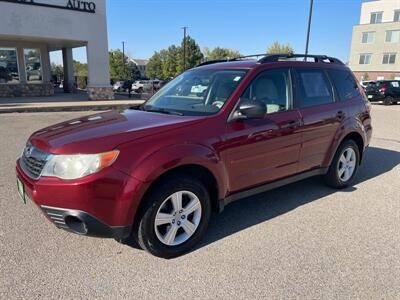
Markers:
point(250, 110)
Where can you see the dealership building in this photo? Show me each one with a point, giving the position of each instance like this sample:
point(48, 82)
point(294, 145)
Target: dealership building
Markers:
point(31, 29)
point(375, 46)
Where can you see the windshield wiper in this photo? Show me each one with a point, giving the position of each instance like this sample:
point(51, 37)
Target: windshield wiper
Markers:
point(162, 111)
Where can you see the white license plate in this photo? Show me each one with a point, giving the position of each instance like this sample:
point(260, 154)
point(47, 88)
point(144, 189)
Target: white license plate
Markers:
point(21, 190)
point(370, 96)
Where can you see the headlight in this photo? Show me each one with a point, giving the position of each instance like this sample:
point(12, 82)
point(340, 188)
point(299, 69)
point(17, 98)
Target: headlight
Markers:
point(79, 165)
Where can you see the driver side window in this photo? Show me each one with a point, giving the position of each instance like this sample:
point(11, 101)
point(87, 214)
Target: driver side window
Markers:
point(272, 89)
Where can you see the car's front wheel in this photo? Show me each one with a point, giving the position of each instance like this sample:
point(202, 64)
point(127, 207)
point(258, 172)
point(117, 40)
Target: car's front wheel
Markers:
point(175, 216)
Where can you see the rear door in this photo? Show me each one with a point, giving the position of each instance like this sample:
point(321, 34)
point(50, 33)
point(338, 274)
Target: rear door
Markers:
point(321, 113)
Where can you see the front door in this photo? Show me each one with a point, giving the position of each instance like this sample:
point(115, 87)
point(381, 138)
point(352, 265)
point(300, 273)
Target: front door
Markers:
point(264, 150)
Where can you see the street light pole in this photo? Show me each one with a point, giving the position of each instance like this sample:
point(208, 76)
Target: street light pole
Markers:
point(123, 58)
point(184, 47)
point(309, 27)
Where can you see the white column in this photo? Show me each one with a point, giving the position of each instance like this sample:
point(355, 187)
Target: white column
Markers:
point(68, 70)
point(21, 65)
point(99, 87)
point(46, 67)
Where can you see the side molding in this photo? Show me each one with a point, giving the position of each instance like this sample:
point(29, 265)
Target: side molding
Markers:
point(269, 186)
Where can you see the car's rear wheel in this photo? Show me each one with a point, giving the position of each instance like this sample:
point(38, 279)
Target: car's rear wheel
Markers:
point(174, 217)
point(388, 100)
point(344, 166)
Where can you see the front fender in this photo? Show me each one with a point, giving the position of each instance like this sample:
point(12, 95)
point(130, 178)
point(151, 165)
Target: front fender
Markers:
point(173, 156)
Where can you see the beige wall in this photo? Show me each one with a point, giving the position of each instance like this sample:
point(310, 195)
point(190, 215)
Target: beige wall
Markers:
point(379, 46)
point(386, 6)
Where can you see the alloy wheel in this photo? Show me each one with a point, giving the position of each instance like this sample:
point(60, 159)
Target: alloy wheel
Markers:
point(178, 218)
point(347, 164)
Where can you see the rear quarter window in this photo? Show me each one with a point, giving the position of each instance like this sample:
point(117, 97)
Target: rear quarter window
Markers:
point(345, 84)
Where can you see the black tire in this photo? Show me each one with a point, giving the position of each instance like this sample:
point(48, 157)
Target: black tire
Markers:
point(388, 100)
point(144, 231)
point(332, 178)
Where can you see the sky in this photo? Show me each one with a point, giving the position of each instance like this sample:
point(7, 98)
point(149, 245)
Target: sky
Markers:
point(249, 26)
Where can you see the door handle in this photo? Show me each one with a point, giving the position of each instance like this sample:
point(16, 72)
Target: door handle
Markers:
point(340, 115)
point(260, 135)
point(291, 124)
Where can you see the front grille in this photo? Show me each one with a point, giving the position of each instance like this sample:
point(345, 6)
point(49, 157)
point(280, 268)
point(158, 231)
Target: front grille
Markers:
point(33, 161)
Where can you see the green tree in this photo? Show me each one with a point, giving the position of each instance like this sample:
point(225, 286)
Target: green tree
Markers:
point(277, 48)
point(193, 55)
point(154, 68)
point(170, 63)
point(220, 53)
point(57, 71)
point(80, 69)
point(117, 69)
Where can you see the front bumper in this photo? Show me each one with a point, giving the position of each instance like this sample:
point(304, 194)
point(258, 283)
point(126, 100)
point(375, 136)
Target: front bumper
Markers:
point(102, 204)
point(82, 223)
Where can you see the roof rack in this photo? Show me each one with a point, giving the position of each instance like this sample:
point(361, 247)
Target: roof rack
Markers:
point(287, 56)
point(269, 58)
point(210, 62)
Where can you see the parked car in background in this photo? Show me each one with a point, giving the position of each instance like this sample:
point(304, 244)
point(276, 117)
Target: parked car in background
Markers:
point(122, 86)
point(138, 86)
point(387, 91)
point(365, 83)
point(220, 132)
point(147, 86)
point(117, 87)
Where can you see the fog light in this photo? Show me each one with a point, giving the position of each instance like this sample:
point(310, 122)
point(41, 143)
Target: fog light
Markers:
point(76, 225)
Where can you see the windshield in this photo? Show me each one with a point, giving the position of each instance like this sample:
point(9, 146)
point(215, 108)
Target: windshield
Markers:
point(196, 93)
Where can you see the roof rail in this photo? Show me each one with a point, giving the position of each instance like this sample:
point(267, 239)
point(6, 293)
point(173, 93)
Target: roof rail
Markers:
point(285, 56)
point(269, 58)
point(210, 62)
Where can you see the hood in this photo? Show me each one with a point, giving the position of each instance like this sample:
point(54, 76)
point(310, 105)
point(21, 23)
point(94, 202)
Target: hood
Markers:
point(105, 131)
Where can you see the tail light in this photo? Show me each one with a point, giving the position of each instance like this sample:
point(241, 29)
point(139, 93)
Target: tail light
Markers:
point(382, 90)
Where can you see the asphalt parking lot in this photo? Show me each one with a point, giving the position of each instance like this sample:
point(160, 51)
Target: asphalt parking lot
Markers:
point(300, 241)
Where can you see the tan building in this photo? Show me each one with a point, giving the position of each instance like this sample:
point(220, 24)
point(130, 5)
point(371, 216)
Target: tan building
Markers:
point(31, 30)
point(141, 64)
point(375, 46)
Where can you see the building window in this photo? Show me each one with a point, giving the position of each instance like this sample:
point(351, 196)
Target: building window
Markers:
point(365, 59)
point(396, 16)
point(33, 65)
point(368, 37)
point(376, 17)
point(389, 58)
point(8, 65)
point(392, 36)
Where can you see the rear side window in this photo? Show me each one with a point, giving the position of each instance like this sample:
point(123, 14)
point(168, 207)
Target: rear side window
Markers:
point(313, 87)
point(395, 84)
point(345, 84)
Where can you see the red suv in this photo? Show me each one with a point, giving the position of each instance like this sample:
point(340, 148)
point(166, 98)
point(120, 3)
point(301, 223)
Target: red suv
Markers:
point(217, 133)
